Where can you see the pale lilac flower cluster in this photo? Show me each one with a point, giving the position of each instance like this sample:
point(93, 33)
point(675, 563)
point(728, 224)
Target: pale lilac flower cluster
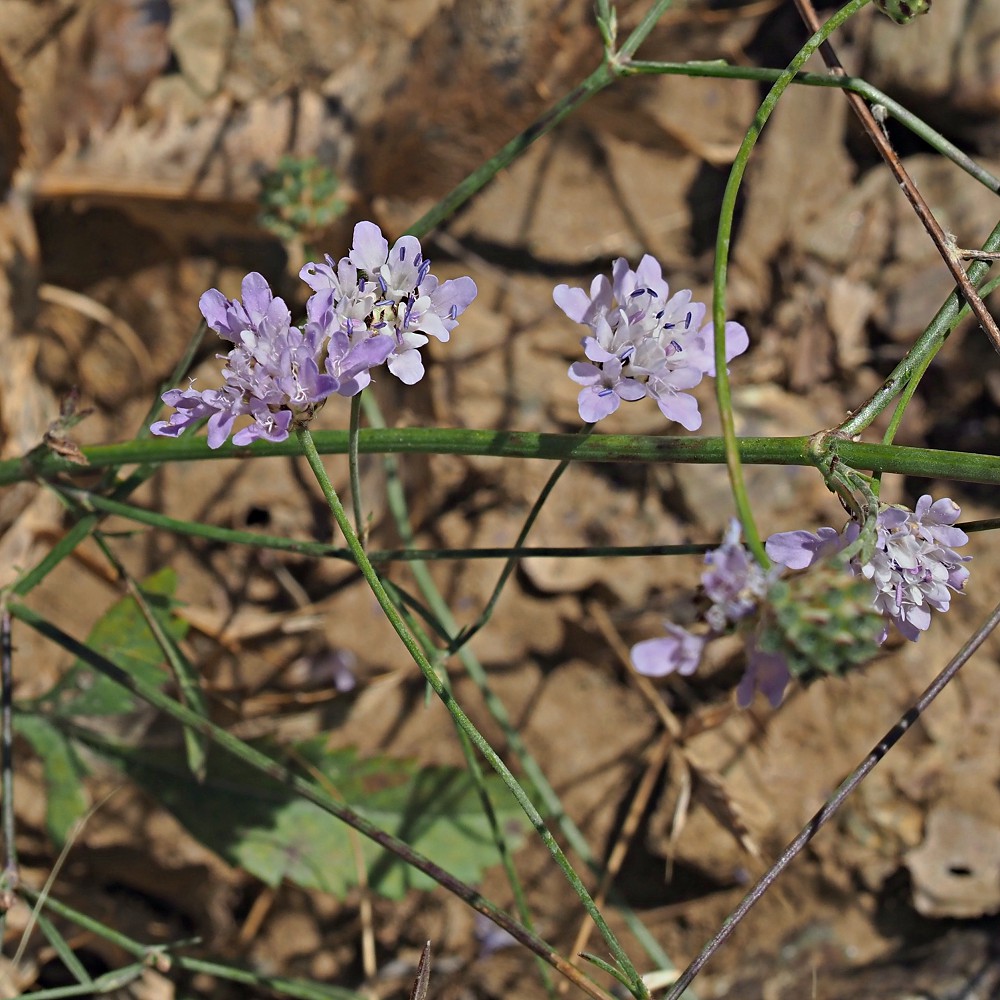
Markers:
point(914, 567)
point(643, 342)
point(375, 291)
point(736, 584)
point(375, 306)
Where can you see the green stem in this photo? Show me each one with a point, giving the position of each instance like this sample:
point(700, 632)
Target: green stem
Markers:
point(918, 373)
point(644, 449)
point(161, 955)
point(723, 238)
point(461, 719)
point(610, 69)
point(352, 463)
point(233, 536)
point(927, 345)
point(719, 69)
point(466, 634)
point(439, 608)
point(551, 802)
point(639, 33)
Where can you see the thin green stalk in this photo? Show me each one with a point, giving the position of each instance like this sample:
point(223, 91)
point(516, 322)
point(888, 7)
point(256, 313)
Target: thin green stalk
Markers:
point(187, 678)
point(306, 788)
point(631, 44)
point(10, 876)
point(413, 648)
point(472, 763)
point(918, 373)
point(163, 958)
point(926, 346)
point(82, 528)
point(551, 802)
point(902, 404)
point(66, 954)
point(720, 69)
point(108, 983)
point(723, 238)
point(622, 448)
point(610, 69)
point(479, 780)
point(355, 470)
point(536, 508)
point(88, 501)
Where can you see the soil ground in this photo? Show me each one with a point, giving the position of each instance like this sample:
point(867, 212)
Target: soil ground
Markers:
point(133, 140)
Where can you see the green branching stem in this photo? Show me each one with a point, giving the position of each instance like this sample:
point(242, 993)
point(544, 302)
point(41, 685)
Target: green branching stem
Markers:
point(722, 244)
point(611, 68)
point(966, 467)
point(461, 719)
point(552, 806)
point(928, 344)
point(438, 607)
point(719, 69)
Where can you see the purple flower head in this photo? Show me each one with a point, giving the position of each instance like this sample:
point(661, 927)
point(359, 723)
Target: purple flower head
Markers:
point(734, 581)
point(914, 567)
point(679, 652)
point(375, 306)
point(736, 585)
point(272, 374)
point(378, 291)
point(642, 338)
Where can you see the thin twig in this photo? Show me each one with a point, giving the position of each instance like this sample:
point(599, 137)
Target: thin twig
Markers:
point(836, 800)
point(880, 139)
point(636, 809)
point(11, 875)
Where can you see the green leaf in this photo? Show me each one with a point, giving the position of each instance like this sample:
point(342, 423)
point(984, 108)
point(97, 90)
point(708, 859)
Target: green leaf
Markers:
point(256, 823)
point(123, 636)
point(64, 774)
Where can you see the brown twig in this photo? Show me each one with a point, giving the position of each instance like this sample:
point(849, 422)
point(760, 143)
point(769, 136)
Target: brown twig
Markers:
point(945, 247)
point(10, 876)
point(835, 801)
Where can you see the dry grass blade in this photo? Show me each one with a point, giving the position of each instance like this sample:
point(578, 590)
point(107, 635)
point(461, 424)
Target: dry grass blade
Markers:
point(420, 984)
point(711, 791)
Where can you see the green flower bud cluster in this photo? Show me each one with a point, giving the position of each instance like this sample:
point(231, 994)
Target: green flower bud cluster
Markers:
point(822, 622)
point(903, 11)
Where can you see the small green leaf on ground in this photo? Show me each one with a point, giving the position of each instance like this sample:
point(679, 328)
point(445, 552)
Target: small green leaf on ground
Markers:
point(267, 829)
point(64, 773)
point(122, 636)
